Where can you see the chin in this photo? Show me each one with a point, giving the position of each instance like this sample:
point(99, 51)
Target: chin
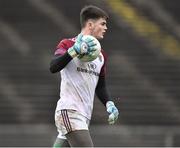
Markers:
point(100, 37)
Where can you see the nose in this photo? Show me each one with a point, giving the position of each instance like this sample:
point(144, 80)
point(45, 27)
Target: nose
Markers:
point(105, 28)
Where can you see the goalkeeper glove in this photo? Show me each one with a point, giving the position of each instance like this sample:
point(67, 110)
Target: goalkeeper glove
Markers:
point(113, 112)
point(81, 47)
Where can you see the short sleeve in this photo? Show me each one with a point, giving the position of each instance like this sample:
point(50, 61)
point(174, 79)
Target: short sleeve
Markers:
point(63, 46)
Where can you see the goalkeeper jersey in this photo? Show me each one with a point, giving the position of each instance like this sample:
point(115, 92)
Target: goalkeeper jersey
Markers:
point(79, 80)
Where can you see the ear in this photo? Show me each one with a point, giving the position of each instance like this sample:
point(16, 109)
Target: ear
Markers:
point(90, 24)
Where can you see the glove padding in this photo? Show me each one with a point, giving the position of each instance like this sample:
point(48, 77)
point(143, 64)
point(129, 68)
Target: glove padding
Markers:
point(81, 47)
point(113, 112)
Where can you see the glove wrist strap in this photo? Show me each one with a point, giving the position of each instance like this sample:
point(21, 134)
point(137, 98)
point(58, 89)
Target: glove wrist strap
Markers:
point(72, 52)
point(109, 103)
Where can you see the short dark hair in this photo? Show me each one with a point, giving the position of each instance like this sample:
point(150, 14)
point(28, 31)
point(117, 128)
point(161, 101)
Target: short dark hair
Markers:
point(91, 12)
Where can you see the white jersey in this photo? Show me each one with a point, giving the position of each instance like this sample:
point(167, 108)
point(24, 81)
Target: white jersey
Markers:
point(78, 82)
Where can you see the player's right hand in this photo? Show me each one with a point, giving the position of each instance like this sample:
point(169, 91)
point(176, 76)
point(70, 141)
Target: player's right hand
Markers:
point(76, 48)
point(81, 47)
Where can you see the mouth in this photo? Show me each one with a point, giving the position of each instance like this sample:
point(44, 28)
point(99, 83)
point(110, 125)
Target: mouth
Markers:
point(103, 33)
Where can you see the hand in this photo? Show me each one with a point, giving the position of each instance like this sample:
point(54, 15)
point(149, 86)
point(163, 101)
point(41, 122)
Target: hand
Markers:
point(90, 44)
point(113, 112)
point(81, 47)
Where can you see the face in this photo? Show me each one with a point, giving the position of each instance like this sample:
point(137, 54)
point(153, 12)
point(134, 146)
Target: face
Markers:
point(98, 28)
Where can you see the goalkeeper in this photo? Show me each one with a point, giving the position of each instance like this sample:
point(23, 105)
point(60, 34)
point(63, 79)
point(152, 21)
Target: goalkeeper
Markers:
point(80, 81)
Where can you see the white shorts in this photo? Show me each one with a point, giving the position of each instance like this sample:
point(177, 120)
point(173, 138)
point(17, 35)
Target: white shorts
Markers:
point(69, 120)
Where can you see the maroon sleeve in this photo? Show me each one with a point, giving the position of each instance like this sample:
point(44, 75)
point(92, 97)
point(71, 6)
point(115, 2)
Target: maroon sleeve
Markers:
point(63, 46)
point(103, 69)
point(61, 58)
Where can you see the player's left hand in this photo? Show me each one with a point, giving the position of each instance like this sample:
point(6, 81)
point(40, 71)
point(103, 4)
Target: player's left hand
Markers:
point(113, 112)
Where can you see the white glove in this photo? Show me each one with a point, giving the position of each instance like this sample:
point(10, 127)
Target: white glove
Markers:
point(113, 112)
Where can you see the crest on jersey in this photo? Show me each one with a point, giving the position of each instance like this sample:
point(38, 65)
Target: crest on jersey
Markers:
point(92, 66)
point(100, 58)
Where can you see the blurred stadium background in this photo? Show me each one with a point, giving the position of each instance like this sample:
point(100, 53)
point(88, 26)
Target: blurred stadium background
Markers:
point(143, 70)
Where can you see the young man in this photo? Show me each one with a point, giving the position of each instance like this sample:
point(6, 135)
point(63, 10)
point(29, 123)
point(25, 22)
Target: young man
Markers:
point(78, 87)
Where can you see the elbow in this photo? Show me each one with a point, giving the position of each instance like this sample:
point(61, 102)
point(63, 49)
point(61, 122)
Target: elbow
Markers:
point(53, 69)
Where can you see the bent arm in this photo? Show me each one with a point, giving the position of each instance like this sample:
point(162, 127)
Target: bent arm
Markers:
point(59, 62)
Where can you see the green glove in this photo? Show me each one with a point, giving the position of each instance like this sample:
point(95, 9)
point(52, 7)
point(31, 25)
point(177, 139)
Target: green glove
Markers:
point(113, 112)
point(81, 46)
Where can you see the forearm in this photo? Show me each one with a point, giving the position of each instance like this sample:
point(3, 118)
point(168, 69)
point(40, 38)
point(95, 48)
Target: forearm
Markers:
point(59, 62)
point(103, 95)
point(102, 91)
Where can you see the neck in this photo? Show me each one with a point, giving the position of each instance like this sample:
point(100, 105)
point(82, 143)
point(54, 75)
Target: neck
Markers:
point(86, 31)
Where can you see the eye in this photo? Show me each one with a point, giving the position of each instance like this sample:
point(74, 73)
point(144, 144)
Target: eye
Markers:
point(103, 23)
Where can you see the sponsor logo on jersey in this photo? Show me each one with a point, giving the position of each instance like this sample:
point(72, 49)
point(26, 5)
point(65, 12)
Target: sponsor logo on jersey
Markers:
point(85, 70)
